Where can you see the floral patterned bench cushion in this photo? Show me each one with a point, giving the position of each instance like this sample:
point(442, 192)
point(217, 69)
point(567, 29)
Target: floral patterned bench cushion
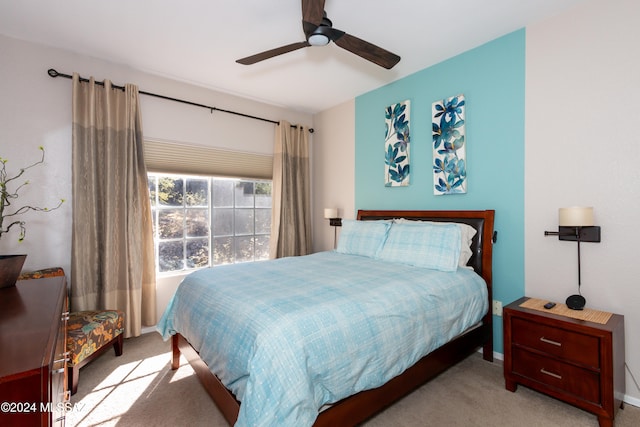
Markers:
point(88, 331)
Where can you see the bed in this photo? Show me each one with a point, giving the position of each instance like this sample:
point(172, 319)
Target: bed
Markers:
point(330, 339)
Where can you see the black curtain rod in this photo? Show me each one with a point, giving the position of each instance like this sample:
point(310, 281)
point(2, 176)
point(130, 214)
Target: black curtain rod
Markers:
point(53, 73)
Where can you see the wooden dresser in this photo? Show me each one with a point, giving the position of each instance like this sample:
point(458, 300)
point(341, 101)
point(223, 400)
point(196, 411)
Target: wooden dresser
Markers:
point(33, 386)
point(577, 361)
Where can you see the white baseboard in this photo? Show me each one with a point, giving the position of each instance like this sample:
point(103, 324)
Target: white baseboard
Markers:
point(148, 329)
point(633, 401)
point(496, 355)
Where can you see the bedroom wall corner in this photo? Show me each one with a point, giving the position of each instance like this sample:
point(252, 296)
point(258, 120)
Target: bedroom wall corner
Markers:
point(333, 170)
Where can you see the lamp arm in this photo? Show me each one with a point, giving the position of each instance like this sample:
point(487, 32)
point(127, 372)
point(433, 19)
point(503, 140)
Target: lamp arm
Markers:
point(575, 233)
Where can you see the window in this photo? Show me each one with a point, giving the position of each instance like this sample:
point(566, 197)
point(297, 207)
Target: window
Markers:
point(201, 221)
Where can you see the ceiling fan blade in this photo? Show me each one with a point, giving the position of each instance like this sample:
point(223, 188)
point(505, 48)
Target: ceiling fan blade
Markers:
point(308, 28)
point(313, 11)
point(368, 51)
point(271, 53)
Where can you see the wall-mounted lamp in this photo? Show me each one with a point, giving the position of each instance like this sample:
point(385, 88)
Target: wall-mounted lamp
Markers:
point(334, 221)
point(576, 225)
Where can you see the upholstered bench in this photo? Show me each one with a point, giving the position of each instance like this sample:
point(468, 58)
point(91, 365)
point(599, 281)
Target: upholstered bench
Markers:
point(89, 333)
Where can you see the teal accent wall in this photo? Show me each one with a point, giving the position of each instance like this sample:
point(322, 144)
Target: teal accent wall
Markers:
point(492, 79)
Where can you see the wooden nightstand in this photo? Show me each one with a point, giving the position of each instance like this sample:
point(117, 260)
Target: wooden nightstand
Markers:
point(577, 361)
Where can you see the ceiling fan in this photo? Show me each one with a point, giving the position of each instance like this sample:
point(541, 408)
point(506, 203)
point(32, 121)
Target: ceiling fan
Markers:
point(319, 31)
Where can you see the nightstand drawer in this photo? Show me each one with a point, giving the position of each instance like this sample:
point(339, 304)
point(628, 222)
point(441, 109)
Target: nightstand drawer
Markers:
point(579, 382)
point(572, 346)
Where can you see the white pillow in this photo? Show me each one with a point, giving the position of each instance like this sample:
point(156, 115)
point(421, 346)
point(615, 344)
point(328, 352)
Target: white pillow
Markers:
point(436, 247)
point(466, 231)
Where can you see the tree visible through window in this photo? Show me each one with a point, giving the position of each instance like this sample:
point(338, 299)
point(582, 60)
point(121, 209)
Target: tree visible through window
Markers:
point(207, 221)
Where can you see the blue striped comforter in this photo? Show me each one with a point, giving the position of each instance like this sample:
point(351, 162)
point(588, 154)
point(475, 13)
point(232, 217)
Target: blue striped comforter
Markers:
point(287, 336)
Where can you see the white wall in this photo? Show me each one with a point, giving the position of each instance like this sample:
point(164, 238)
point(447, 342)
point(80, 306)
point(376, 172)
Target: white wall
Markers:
point(333, 171)
point(583, 149)
point(36, 110)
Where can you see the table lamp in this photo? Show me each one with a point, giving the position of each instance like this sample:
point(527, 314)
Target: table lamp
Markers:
point(332, 215)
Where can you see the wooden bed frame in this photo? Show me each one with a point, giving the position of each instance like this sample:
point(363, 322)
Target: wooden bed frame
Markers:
point(361, 406)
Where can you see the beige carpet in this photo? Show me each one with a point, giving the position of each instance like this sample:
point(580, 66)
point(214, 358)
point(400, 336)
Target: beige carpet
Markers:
point(139, 389)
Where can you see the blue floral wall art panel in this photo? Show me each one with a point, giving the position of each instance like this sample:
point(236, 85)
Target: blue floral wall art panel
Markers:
point(396, 145)
point(449, 151)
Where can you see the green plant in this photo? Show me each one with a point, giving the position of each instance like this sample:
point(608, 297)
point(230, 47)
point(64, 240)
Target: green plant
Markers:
point(8, 196)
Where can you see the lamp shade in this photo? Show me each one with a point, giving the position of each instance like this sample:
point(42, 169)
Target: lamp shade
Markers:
point(330, 213)
point(575, 217)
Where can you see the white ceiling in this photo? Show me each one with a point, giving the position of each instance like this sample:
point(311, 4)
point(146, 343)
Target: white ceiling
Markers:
point(198, 41)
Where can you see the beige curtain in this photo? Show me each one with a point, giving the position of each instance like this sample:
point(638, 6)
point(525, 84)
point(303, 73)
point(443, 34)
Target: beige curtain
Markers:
point(290, 217)
point(112, 260)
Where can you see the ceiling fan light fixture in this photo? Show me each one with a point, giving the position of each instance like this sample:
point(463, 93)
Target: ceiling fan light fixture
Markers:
point(318, 40)
point(319, 31)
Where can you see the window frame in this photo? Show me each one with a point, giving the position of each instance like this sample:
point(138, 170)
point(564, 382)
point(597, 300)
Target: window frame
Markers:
point(234, 235)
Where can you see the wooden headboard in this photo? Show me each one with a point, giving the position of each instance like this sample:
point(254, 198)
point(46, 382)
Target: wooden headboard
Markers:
point(482, 221)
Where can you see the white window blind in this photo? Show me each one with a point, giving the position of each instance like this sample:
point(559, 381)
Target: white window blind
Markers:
point(172, 157)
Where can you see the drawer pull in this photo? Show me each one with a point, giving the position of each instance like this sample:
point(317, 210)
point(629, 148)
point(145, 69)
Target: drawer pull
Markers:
point(551, 374)
point(65, 358)
point(59, 371)
point(548, 341)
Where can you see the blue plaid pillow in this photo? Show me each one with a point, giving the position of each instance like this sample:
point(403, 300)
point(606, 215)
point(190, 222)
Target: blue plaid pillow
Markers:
point(430, 246)
point(363, 238)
